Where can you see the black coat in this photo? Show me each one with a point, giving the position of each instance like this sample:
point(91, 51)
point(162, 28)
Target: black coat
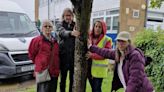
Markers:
point(66, 43)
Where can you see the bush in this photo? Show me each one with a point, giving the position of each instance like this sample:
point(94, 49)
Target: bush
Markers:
point(152, 44)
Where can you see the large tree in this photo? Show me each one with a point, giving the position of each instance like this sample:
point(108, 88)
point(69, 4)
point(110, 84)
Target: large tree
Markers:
point(82, 9)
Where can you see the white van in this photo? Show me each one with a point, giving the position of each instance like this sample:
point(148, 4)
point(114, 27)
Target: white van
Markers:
point(16, 32)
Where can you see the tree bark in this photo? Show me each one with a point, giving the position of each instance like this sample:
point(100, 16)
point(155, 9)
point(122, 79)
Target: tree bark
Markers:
point(82, 9)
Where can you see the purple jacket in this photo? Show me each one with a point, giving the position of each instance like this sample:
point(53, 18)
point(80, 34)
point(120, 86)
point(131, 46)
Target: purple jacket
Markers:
point(133, 69)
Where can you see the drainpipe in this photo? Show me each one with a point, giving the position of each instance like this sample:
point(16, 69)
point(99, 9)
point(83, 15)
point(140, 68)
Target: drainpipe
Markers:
point(146, 11)
point(48, 9)
point(36, 10)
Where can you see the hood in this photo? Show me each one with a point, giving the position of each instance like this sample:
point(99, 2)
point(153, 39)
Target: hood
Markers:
point(15, 44)
point(104, 29)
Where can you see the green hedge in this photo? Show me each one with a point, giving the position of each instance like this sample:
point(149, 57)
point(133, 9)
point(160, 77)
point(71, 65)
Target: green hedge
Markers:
point(152, 43)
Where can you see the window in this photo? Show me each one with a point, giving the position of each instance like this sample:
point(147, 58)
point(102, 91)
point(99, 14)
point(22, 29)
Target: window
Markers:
point(108, 23)
point(114, 12)
point(95, 14)
point(107, 12)
point(155, 20)
point(101, 13)
point(135, 13)
point(115, 23)
point(97, 19)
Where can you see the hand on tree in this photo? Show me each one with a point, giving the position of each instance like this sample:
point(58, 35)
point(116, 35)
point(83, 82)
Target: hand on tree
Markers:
point(89, 43)
point(88, 55)
point(75, 33)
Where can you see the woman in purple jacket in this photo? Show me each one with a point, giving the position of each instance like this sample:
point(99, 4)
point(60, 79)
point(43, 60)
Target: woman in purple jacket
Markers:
point(129, 70)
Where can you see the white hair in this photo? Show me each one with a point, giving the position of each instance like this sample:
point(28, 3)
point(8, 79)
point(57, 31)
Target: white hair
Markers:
point(46, 21)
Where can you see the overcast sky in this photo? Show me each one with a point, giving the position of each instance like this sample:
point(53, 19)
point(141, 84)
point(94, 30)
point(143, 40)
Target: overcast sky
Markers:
point(28, 6)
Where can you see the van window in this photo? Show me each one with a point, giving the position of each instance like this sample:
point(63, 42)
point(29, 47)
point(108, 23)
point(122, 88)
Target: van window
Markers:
point(15, 23)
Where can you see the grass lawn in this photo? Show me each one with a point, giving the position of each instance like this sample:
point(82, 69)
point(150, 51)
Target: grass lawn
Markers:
point(106, 86)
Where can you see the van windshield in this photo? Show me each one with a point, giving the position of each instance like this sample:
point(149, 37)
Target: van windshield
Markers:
point(15, 23)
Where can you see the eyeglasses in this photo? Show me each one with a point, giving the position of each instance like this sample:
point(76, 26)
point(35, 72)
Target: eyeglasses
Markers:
point(48, 26)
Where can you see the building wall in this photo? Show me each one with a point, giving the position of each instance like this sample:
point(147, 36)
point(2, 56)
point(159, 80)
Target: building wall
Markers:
point(132, 16)
point(100, 7)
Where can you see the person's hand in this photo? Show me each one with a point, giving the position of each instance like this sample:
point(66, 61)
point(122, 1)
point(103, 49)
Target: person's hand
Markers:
point(88, 55)
point(89, 43)
point(75, 33)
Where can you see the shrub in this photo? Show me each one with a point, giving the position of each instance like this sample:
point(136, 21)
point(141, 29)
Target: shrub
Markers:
point(152, 44)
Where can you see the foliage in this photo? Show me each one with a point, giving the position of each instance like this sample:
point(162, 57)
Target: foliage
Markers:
point(156, 3)
point(152, 43)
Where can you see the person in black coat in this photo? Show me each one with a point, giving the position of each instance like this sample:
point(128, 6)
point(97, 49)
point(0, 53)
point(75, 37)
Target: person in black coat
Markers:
point(66, 33)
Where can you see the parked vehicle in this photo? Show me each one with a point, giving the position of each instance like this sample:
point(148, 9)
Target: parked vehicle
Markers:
point(16, 32)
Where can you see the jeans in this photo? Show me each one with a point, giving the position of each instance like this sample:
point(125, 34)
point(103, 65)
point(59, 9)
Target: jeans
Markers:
point(96, 84)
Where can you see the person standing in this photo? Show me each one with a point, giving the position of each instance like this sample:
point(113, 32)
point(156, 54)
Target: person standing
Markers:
point(66, 33)
point(129, 70)
point(99, 66)
point(44, 53)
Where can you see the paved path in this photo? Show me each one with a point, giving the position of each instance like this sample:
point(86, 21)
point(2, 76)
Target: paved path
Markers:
point(16, 84)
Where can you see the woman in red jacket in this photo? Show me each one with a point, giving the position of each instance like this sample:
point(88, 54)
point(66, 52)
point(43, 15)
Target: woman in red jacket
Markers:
point(44, 52)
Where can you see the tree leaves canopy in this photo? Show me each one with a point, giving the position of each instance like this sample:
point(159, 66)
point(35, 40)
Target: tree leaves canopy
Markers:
point(156, 3)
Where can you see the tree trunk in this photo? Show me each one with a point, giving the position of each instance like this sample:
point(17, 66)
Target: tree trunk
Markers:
point(82, 10)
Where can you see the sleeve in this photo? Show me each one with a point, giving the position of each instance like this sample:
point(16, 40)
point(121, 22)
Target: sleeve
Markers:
point(108, 45)
point(33, 49)
point(104, 52)
point(96, 56)
point(61, 31)
point(136, 73)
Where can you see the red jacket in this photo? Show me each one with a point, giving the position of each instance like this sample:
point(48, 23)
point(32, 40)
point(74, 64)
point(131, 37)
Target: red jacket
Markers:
point(107, 45)
point(40, 54)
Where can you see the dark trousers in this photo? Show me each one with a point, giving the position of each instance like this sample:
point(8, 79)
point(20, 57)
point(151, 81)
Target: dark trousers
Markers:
point(90, 79)
point(49, 86)
point(89, 75)
point(63, 76)
point(96, 84)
